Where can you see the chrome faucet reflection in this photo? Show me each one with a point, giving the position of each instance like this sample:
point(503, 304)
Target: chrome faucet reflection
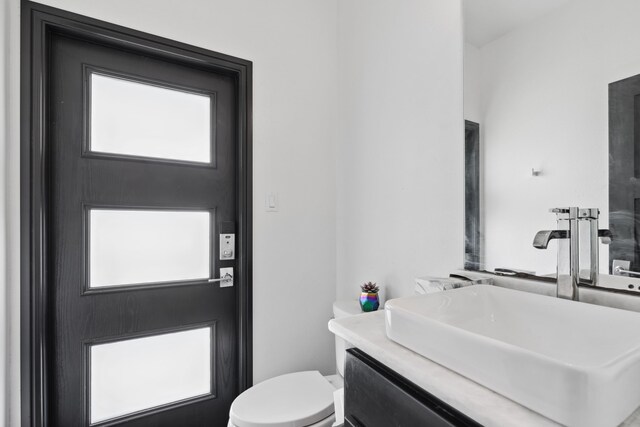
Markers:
point(574, 223)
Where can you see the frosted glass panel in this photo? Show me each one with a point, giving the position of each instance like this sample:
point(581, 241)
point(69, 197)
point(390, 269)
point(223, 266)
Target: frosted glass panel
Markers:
point(139, 119)
point(147, 246)
point(137, 374)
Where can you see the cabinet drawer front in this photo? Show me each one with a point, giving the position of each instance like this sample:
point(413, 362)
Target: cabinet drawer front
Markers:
point(375, 396)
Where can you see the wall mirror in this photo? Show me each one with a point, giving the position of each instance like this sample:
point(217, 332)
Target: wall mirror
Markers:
point(538, 76)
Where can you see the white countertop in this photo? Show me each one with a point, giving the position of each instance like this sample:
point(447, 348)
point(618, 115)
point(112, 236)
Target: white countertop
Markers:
point(367, 332)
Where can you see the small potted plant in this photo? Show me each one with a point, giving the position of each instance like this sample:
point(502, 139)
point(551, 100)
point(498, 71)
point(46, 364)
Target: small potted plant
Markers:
point(369, 300)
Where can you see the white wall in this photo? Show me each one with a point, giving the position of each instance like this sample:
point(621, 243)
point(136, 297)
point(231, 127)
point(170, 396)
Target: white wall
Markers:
point(401, 151)
point(293, 46)
point(383, 79)
point(5, 69)
point(545, 105)
point(472, 83)
point(10, 212)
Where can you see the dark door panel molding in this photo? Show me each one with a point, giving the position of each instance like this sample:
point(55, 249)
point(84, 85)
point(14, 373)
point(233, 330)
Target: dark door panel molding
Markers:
point(39, 24)
point(472, 227)
point(624, 170)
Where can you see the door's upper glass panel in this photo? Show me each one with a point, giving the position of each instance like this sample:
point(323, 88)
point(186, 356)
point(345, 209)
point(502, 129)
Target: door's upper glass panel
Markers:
point(134, 118)
point(128, 247)
point(137, 374)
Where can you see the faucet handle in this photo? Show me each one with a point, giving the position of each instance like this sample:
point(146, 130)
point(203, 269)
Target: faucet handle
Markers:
point(566, 213)
point(606, 236)
point(589, 213)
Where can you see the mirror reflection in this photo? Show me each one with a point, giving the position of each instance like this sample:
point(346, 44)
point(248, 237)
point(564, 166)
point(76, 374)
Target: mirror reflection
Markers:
point(539, 80)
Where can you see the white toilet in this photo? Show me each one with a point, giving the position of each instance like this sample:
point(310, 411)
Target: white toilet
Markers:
point(300, 399)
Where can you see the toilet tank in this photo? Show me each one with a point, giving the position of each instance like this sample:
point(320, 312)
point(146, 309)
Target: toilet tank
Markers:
point(343, 309)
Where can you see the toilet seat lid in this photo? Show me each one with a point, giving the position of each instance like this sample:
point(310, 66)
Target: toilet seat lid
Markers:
point(291, 400)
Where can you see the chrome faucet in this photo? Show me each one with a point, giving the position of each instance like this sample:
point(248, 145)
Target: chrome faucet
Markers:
point(542, 239)
point(568, 233)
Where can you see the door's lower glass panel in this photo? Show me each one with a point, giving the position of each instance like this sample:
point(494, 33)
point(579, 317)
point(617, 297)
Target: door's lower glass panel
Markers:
point(134, 118)
point(137, 374)
point(131, 247)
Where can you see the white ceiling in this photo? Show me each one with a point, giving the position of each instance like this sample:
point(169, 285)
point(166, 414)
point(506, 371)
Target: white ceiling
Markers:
point(488, 20)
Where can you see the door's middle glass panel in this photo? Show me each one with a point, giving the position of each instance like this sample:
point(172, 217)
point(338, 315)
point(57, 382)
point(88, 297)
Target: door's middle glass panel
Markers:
point(130, 247)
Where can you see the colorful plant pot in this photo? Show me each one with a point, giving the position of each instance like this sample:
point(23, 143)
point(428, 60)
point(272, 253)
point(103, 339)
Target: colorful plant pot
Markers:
point(369, 301)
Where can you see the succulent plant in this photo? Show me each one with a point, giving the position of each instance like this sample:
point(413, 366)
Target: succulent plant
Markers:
point(369, 287)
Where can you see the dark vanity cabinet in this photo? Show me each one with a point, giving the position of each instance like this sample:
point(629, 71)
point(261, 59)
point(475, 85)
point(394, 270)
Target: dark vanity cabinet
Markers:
point(376, 396)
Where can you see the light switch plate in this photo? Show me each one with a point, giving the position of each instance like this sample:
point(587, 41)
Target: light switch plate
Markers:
point(271, 202)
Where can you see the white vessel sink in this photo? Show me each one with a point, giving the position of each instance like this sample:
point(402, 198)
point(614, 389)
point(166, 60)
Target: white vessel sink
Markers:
point(576, 363)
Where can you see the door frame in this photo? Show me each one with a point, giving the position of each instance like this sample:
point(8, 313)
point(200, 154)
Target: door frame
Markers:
point(623, 164)
point(472, 226)
point(38, 22)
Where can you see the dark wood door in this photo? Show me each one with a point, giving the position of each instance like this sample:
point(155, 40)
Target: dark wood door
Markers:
point(134, 339)
point(624, 171)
